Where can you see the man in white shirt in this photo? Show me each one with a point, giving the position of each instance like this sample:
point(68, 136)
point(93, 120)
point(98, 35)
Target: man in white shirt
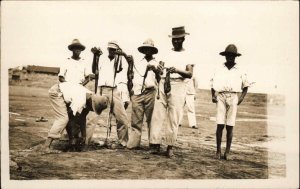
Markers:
point(79, 99)
point(227, 81)
point(107, 86)
point(192, 85)
point(74, 70)
point(170, 105)
point(144, 92)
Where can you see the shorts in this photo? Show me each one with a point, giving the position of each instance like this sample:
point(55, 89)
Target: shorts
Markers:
point(227, 108)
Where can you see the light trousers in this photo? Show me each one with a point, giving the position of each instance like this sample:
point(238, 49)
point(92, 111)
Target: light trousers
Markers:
point(191, 114)
point(142, 104)
point(61, 115)
point(119, 113)
point(168, 108)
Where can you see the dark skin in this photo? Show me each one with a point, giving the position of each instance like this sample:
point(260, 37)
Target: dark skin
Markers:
point(178, 46)
point(187, 73)
point(230, 63)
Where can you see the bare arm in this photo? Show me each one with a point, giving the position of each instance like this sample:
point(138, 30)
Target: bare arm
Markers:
point(188, 73)
point(213, 95)
point(241, 98)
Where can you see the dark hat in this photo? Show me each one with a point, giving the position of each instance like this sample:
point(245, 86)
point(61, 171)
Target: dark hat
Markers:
point(230, 49)
point(178, 32)
point(148, 44)
point(99, 103)
point(76, 43)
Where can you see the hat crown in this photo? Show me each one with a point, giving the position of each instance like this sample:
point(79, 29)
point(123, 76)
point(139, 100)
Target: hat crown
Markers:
point(113, 44)
point(75, 41)
point(149, 42)
point(231, 49)
point(178, 30)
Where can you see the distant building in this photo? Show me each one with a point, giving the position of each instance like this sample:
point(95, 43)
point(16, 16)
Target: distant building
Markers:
point(43, 69)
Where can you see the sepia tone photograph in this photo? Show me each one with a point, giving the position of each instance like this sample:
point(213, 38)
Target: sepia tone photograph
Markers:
point(149, 94)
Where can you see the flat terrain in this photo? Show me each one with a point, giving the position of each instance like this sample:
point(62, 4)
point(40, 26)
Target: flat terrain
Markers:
point(256, 150)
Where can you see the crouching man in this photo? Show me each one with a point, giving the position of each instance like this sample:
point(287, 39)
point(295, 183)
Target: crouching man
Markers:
point(80, 101)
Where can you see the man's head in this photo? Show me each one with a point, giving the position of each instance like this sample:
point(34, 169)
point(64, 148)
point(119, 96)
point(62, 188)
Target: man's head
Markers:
point(99, 103)
point(230, 53)
point(76, 47)
point(112, 47)
point(148, 48)
point(178, 37)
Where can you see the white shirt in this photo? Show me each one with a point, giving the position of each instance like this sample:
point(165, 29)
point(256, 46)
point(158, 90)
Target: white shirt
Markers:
point(106, 72)
point(75, 94)
point(139, 71)
point(233, 80)
point(179, 60)
point(75, 70)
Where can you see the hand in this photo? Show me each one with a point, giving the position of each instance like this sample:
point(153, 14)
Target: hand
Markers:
point(172, 70)
point(119, 52)
point(240, 100)
point(96, 51)
point(214, 99)
point(160, 68)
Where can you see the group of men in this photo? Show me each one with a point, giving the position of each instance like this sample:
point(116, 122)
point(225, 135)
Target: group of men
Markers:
point(157, 91)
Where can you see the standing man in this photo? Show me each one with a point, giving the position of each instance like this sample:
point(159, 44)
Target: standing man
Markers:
point(108, 70)
point(170, 105)
point(227, 81)
point(144, 88)
point(74, 70)
point(192, 85)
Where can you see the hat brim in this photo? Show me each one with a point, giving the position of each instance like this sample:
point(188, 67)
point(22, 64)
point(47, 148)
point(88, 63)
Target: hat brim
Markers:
point(98, 111)
point(142, 49)
point(178, 36)
point(76, 45)
point(229, 53)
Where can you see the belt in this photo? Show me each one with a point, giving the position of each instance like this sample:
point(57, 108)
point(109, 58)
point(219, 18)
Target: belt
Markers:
point(110, 87)
point(224, 92)
point(105, 87)
point(175, 79)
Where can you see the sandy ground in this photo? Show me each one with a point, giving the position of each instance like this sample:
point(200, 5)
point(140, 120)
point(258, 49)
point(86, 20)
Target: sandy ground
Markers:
point(256, 150)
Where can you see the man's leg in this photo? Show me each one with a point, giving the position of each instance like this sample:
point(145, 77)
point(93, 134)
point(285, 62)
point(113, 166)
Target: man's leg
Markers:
point(190, 103)
point(137, 115)
point(149, 100)
point(221, 120)
point(219, 133)
point(229, 136)
point(121, 118)
point(175, 105)
point(61, 115)
point(158, 117)
point(232, 101)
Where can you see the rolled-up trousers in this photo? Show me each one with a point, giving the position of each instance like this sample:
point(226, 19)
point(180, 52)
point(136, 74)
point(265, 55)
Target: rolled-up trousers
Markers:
point(142, 105)
point(168, 110)
point(118, 111)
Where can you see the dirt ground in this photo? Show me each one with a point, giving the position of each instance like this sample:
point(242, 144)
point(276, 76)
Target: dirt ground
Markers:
point(253, 153)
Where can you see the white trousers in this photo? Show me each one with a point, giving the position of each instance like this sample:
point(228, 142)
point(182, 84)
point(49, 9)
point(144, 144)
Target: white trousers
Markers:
point(168, 110)
point(190, 104)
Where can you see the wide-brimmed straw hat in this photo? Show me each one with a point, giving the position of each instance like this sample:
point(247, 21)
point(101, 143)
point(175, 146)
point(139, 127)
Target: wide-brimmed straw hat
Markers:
point(230, 50)
point(178, 32)
point(76, 44)
point(99, 103)
point(113, 45)
point(148, 44)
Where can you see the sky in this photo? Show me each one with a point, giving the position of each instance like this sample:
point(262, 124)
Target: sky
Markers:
point(265, 33)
